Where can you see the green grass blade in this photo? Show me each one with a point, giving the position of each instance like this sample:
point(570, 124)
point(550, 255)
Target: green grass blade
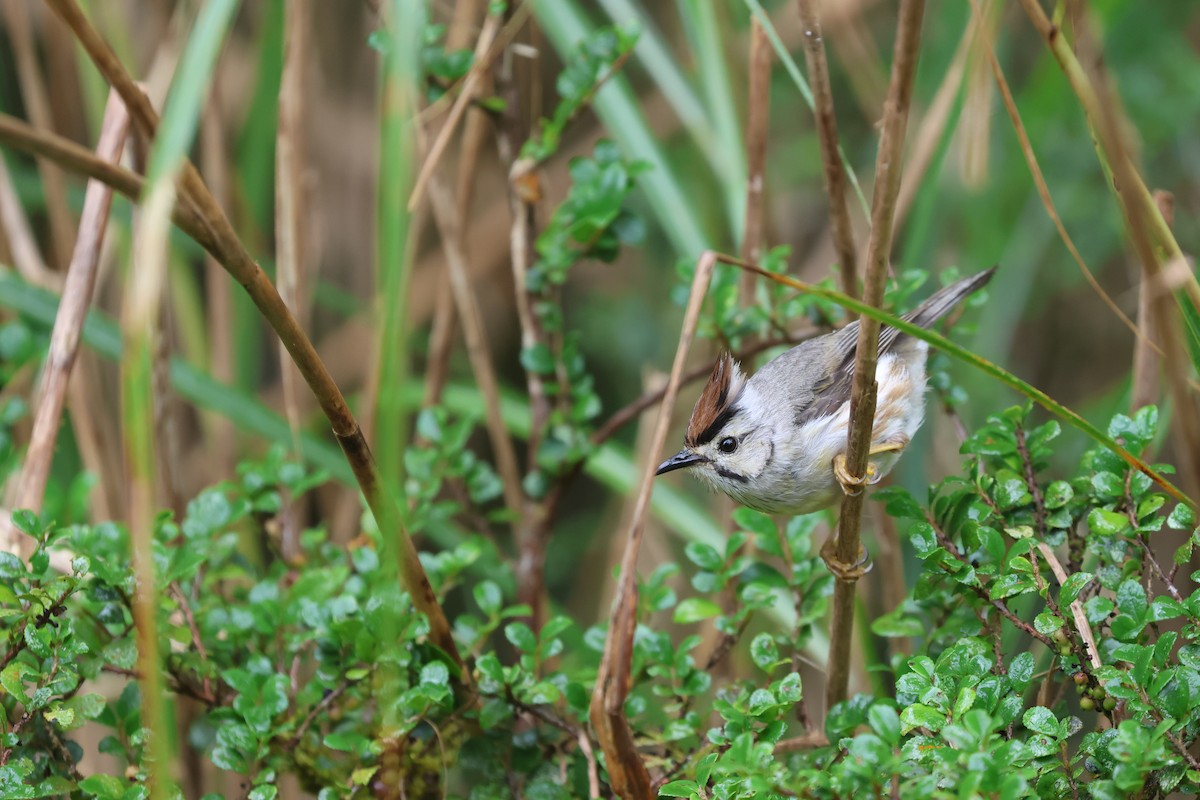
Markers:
point(700, 23)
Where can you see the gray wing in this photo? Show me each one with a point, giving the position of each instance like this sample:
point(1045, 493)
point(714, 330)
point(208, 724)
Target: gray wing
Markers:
point(834, 391)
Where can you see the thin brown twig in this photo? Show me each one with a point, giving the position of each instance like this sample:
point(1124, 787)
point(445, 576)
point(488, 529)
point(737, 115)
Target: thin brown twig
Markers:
point(1144, 382)
point(627, 771)
point(484, 54)
point(888, 167)
point(68, 322)
point(80, 160)
point(534, 533)
point(834, 172)
point(37, 108)
point(758, 111)
point(445, 316)
point(22, 245)
point(316, 710)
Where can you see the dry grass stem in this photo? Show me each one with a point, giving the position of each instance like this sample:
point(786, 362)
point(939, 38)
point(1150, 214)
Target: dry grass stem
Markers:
point(37, 108)
point(834, 173)
point(484, 54)
point(22, 245)
point(1077, 613)
point(626, 770)
point(758, 112)
point(1043, 189)
point(291, 245)
point(888, 167)
point(926, 140)
point(1144, 383)
point(68, 323)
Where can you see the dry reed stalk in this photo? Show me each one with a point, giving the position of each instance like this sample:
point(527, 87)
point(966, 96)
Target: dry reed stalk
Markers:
point(758, 114)
point(445, 316)
point(627, 772)
point(22, 244)
point(1144, 389)
point(291, 222)
point(68, 325)
point(834, 172)
point(38, 109)
point(1043, 190)
point(845, 549)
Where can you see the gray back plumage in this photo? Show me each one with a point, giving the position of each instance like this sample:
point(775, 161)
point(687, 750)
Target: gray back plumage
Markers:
point(819, 372)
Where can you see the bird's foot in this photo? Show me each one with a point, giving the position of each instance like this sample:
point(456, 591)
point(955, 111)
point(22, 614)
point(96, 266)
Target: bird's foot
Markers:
point(840, 569)
point(852, 485)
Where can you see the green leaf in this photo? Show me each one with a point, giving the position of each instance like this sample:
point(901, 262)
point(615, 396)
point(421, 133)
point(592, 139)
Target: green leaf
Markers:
point(521, 636)
point(1103, 522)
point(1131, 599)
point(1020, 671)
point(488, 597)
point(1010, 585)
point(106, 787)
point(1181, 518)
point(920, 715)
point(1041, 720)
point(695, 609)
point(538, 359)
point(704, 556)
point(1010, 490)
point(1108, 485)
point(1058, 494)
point(885, 722)
point(763, 651)
point(681, 788)
point(1072, 586)
point(1047, 623)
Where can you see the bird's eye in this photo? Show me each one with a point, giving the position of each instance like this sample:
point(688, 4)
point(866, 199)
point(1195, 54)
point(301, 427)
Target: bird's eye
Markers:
point(727, 445)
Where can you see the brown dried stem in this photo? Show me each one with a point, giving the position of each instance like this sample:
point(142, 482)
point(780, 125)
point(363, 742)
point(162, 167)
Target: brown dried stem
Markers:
point(37, 107)
point(1146, 359)
point(758, 111)
point(626, 770)
point(1039, 181)
point(68, 323)
point(217, 235)
point(863, 393)
point(834, 174)
point(1162, 261)
point(14, 226)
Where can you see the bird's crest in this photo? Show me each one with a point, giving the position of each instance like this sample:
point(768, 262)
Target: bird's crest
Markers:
point(717, 403)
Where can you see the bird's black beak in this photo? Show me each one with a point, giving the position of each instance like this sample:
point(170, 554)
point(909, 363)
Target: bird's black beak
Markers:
point(684, 458)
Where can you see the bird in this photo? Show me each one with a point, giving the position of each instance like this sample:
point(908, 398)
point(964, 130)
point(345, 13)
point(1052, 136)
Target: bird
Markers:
point(776, 441)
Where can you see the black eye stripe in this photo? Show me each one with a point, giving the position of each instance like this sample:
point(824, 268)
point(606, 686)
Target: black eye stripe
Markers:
point(733, 476)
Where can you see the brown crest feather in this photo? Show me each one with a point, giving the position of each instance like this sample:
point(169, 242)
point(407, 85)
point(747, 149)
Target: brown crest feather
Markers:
point(717, 403)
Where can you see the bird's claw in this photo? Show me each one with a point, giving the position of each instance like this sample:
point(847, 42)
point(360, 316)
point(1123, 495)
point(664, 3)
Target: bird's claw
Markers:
point(852, 485)
point(842, 570)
